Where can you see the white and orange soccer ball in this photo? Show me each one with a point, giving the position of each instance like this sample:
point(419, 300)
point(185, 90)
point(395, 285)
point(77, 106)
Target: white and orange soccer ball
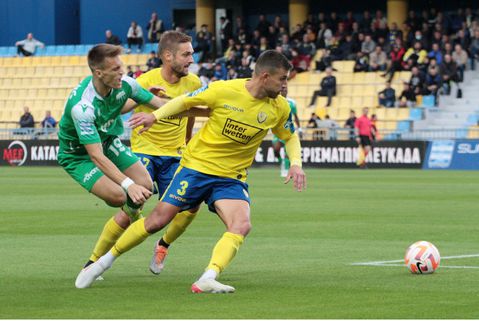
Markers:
point(422, 258)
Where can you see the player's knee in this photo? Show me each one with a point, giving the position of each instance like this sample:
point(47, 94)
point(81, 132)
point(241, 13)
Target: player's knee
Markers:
point(117, 198)
point(243, 228)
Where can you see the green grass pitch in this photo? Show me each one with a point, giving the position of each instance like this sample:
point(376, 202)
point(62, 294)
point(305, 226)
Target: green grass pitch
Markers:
point(296, 263)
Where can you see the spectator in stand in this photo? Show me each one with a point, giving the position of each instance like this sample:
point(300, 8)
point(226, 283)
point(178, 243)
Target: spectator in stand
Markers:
point(433, 84)
point(313, 122)
point(232, 74)
point(448, 50)
point(307, 48)
point(242, 37)
point(272, 36)
point(433, 65)
point(26, 120)
point(417, 80)
point(463, 38)
point(112, 39)
point(474, 49)
point(263, 25)
point(138, 72)
point(48, 123)
point(435, 53)
point(204, 39)
point(244, 70)
point(324, 35)
point(394, 33)
point(325, 61)
point(348, 21)
point(331, 126)
point(380, 24)
point(154, 28)
point(226, 32)
point(134, 36)
point(362, 62)
point(387, 97)
point(298, 61)
point(407, 97)
point(219, 73)
point(368, 45)
point(346, 49)
point(28, 46)
point(206, 73)
point(297, 33)
point(153, 61)
point(396, 60)
point(350, 123)
point(328, 88)
point(129, 72)
point(365, 22)
point(460, 57)
point(417, 54)
point(449, 73)
point(377, 60)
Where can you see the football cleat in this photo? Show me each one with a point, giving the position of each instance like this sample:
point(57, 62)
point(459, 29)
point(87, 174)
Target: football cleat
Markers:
point(211, 286)
point(158, 260)
point(88, 275)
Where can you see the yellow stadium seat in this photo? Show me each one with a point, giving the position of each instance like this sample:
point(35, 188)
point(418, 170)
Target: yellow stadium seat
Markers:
point(357, 102)
point(17, 82)
point(358, 77)
point(370, 78)
point(42, 93)
point(380, 113)
point(391, 113)
point(344, 78)
point(370, 101)
point(316, 78)
point(344, 102)
point(343, 113)
point(344, 90)
point(333, 113)
point(403, 113)
point(358, 90)
point(56, 60)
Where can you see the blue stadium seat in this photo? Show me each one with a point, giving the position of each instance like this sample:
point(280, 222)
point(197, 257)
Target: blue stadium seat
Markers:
point(415, 113)
point(50, 50)
point(3, 51)
point(61, 50)
point(404, 126)
point(70, 50)
point(12, 51)
point(40, 52)
point(80, 50)
point(462, 133)
point(472, 120)
point(196, 57)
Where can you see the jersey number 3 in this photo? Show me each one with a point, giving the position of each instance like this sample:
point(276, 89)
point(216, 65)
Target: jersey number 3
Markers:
point(181, 191)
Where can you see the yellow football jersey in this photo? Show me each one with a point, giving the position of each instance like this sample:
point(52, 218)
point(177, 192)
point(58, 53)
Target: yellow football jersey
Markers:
point(166, 137)
point(226, 145)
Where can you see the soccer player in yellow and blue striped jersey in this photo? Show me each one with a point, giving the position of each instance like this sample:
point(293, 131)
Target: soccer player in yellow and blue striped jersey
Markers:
point(214, 166)
point(160, 148)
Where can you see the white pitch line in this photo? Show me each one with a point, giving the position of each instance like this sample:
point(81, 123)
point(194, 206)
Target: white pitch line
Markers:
point(403, 265)
point(388, 263)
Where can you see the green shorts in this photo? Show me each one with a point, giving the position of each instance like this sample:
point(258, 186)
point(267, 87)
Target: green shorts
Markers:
point(276, 139)
point(86, 173)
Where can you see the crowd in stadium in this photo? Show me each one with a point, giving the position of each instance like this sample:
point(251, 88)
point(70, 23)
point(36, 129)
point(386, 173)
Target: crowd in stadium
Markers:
point(436, 47)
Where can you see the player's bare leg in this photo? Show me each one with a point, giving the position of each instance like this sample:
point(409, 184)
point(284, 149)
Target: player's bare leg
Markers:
point(235, 214)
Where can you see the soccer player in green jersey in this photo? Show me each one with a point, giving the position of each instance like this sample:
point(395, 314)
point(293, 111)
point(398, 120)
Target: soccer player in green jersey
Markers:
point(91, 151)
point(278, 143)
point(214, 166)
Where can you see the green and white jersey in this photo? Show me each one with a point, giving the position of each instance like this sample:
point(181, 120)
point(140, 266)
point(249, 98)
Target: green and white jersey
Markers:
point(89, 118)
point(292, 105)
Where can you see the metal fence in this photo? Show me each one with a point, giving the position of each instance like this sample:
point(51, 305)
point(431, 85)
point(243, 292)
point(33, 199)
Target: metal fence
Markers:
point(308, 134)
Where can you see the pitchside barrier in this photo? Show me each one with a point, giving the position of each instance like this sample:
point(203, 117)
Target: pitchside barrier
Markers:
point(441, 154)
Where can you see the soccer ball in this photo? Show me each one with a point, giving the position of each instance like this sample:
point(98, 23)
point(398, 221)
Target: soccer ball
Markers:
point(422, 258)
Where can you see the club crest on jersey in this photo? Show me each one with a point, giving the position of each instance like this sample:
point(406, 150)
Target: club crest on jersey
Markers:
point(262, 117)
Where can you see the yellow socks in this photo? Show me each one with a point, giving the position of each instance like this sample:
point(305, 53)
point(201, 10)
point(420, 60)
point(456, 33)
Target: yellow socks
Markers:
point(178, 225)
point(111, 232)
point(224, 251)
point(134, 235)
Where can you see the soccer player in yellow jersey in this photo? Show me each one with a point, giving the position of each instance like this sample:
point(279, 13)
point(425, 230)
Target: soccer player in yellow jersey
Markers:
point(213, 167)
point(161, 147)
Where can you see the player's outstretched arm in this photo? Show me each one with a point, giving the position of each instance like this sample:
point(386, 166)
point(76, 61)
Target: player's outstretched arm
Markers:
point(173, 107)
point(137, 193)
